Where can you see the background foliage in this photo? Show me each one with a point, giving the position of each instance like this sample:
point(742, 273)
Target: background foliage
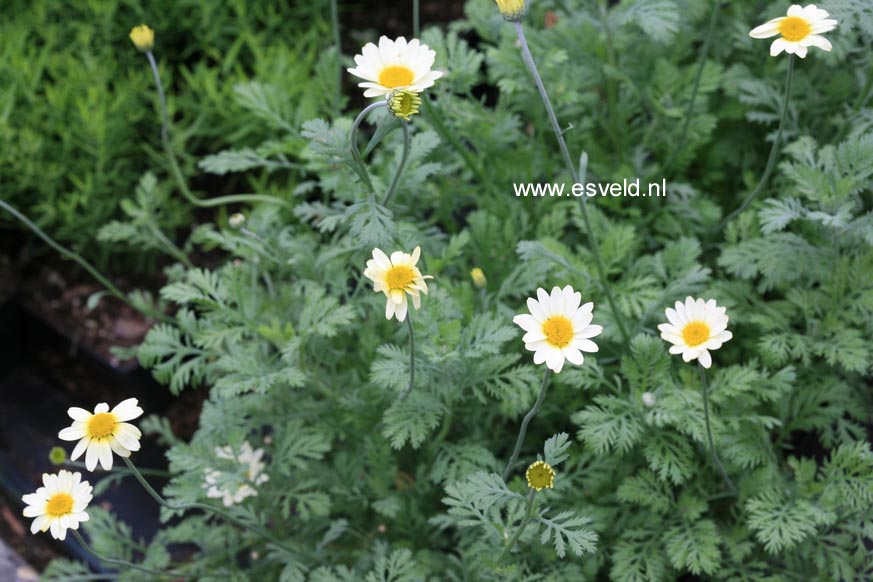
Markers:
point(298, 356)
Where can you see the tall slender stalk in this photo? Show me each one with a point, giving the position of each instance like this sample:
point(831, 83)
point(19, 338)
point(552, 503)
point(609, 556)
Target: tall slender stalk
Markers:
point(404, 156)
point(353, 141)
point(689, 111)
point(715, 458)
point(522, 431)
point(416, 18)
point(774, 151)
point(124, 563)
point(411, 356)
point(205, 507)
point(174, 163)
point(528, 513)
point(574, 174)
point(92, 270)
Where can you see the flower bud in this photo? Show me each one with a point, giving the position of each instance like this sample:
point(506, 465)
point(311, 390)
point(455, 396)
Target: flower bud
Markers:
point(236, 220)
point(143, 37)
point(57, 456)
point(649, 399)
point(512, 10)
point(478, 277)
point(403, 104)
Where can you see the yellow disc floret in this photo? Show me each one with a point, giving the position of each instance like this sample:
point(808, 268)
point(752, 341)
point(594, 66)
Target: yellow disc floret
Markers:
point(695, 333)
point(794, 28)
point(399, 278)
point(102, 425)
point(396, 76)
point(59, 505)
point(558, 331)
point(540, 475)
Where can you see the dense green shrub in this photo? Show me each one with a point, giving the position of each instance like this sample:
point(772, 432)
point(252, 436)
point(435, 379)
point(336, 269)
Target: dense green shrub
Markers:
point(79, 124)
point(371, 480)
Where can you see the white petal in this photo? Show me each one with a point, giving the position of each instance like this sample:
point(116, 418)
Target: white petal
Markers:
point(527, 322)
point(705, 359)
point(555, 360)
point(127, 410)
point(79, 414)
point(402, 309)
point(389, 309)
point(817, 41)
point(100, 408)
point(767, 29)
point(73, 433)
point(573, 355)
point(536, 310)
point(92, 454)
point(557, 301)
point(104, 452)
point(128, 435)
point(777, 47)
point(588, 332)
point(80, 448)
point(795, 10)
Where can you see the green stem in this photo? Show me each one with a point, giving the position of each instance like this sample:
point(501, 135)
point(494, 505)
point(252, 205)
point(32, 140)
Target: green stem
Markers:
point(528, 513)
point(571, 167)
point(170, 246)
point(174, 163)
point(774, 151)
point(92, 270)
point(115, 469)
point(715, 458)
point(690, 109)
point(439, 126)
point(353, 142)
point(338, 50)
point(411, 356)
point(205, 507)
point(403, 158)
point(526, 421)
point(123, 563)
point(416, 18)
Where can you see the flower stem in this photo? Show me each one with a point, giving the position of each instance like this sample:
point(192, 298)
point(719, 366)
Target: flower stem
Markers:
point(526, 421)
point(715, 458)
point(528, 513)
point(92, 270)
point(571, 167)
point(124, 563)
point(174, 163)
point(690, 109)
point(774, 151)
point(403, 158)
point(411, 357)
point(205, 507)
point(416, 18)
point(353, 141)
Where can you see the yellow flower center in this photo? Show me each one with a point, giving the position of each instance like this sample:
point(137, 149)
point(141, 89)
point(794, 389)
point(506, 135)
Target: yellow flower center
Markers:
point(695, 333)
point(558, 331)
point(59, 505)
point(794, 28)
point(540, 475)
point(101, 425)
point(399, 278)
point(396, 76)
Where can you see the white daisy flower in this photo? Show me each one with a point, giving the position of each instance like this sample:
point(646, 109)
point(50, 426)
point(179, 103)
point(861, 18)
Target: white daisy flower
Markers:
point(59, 504)
point(801, 29)
point(396, 277)
point(696, 327)
point(558, 328)
point(104, 432)
point(393, 65)
point(220, 485)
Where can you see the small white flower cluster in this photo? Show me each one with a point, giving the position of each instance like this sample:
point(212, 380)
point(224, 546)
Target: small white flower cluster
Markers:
point(227, 485)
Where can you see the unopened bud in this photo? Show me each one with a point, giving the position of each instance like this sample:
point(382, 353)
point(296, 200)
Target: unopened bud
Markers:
point(649, 399)
point(143, 37)
point(478, 276)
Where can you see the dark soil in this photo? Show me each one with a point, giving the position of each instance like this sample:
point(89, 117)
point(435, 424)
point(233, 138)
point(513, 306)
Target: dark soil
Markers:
point(59, 295)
